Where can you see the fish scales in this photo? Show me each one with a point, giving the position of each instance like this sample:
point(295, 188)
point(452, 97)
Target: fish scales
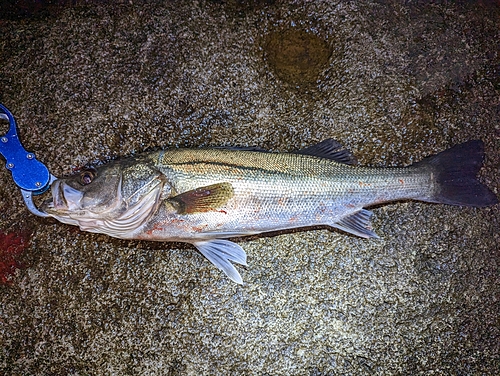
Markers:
point(277, 191)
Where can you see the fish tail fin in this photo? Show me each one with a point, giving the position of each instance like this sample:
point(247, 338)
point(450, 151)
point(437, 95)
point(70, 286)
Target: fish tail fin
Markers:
point(455, 172)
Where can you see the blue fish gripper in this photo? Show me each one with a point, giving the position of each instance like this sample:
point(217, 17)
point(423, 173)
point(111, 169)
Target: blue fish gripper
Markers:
point(30, 175)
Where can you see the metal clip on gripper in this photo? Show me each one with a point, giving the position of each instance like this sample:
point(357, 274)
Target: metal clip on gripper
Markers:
point(31, 176)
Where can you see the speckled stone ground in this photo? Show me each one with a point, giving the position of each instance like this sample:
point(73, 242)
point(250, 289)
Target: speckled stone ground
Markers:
point(392, 82)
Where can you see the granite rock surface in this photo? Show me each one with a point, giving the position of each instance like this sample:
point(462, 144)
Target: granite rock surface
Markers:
point(392, 82)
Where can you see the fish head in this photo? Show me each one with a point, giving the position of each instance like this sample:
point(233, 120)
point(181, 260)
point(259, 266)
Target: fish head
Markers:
point(115, 198)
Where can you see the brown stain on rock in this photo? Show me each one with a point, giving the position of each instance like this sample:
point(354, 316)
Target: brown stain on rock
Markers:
point(296, 56)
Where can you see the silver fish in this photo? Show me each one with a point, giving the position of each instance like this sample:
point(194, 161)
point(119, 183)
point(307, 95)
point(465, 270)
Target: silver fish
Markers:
point(204, 196)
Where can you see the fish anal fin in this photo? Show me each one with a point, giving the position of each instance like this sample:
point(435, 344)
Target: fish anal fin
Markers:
point(330, 149)
point(203, 199)
point(357, 224)
point(221, 252)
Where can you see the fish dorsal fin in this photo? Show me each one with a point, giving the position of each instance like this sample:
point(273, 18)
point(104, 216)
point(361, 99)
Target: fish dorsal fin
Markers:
point(330, 149)
point(203, 199)
point(357, 224)
point(221, 252)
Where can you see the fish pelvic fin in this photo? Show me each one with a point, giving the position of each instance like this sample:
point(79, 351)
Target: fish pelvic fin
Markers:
point(357, 224)
point(221, 252)
point(455, 172)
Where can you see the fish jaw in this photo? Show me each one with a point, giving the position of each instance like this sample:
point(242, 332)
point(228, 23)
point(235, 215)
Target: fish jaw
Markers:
point(66, 198)
point(67, 207)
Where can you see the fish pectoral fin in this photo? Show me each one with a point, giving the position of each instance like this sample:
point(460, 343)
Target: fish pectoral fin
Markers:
point(221, 252)
point(203, 199)
point(357, 224)
point(330, 149)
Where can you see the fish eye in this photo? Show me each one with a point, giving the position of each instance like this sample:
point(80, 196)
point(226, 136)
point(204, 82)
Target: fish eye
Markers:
point(87, 176)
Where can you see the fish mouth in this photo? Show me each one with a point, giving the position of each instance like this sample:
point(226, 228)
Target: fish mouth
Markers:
point(47, 205)
point(64, 198)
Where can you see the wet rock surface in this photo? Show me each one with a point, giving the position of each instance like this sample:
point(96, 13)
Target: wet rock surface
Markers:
point(296, 56)
point(397, 82)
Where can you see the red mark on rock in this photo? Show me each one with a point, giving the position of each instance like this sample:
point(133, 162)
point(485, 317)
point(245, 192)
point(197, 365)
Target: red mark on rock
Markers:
point(12, 245)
